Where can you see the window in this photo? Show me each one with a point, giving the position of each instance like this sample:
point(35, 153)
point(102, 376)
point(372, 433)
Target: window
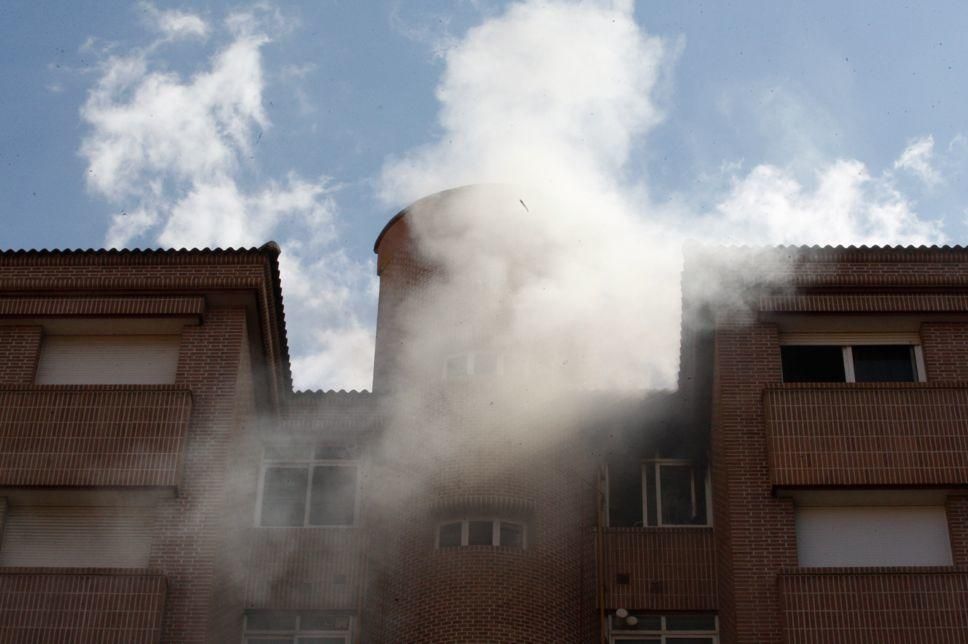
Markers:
point(851, 358)
point(683, 628)
point(675, 493)
point(481, 532)
point(320, 492)
point(297, 627)
point(842, 536)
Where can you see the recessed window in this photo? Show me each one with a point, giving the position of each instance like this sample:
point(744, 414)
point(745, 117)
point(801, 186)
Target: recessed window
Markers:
point(297, 627)
point(316, 493)
point(853, 363)
point(644, 628)
point(481, 532)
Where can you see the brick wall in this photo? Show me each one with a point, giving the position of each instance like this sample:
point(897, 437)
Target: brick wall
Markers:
point(19, 352)
point(663, 569)
point(945, 347)
point(188, 528)
point(957, 510)
point(755, 532)
point(92, 435)
point(867, 434)
point(43, 605)
point(860, 605)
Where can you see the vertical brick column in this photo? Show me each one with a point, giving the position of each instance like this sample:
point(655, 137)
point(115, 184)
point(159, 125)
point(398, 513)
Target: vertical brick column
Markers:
point(945, 347)
point(957, 505)
point(755, 532)
point(188, 526)
point(19, 351)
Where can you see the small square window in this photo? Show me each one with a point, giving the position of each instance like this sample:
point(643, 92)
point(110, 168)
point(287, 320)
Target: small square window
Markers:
point(480, 533)
point(449, 535)
point(512, 535)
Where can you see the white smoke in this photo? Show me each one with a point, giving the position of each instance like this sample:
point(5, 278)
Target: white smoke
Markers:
point(552, 98)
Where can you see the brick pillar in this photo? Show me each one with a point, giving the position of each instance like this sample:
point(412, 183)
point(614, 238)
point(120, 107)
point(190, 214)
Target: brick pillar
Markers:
point(755, 532)
point(19, 351)
point(945, 346)
point(957, 505)
point(187, 527)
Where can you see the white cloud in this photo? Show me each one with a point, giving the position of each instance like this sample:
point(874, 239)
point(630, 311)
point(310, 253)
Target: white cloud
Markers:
point(170, 149)
point(174, 24)
point(845, 206)
point(917, 159)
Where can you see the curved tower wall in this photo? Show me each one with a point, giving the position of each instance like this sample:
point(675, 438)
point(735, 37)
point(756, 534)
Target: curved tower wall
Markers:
point(470, 465)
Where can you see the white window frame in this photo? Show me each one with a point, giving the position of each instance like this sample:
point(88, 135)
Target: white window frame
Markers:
point(268, 463)
point(674, 462)
point(495, 532)
point(664, 635)
point(294, 635)
point(846, 342)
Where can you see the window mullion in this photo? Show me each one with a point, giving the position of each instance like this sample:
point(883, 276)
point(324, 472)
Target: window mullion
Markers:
point(309, 491)
point(848, 364)
point(495, 532)
point(658, 494)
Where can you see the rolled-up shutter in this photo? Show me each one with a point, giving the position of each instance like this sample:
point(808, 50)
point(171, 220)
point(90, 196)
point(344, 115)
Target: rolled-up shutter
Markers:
point(108, 360)
point(76, 536)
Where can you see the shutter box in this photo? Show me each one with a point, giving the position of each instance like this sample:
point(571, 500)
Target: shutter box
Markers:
point(108, 360)
point(77, 536)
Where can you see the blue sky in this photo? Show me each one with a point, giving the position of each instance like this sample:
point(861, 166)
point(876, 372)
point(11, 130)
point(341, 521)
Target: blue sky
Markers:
point(313, 122)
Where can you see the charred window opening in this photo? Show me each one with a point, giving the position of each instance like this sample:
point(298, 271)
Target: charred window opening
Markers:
point(662, 493)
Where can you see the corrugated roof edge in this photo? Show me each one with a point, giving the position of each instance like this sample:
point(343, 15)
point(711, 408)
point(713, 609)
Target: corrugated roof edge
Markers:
point(269, 249)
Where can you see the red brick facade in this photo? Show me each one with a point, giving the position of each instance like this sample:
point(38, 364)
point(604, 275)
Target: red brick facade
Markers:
point(198, 449)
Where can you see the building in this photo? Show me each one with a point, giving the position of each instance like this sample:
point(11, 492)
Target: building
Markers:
point(161, 481)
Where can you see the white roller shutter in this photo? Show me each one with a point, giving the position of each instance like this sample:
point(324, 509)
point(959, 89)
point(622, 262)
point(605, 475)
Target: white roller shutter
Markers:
point(76, 536)
point(108, 360)
point(873, 536)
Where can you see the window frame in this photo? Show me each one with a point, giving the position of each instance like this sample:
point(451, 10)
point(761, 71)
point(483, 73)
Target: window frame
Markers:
point(469, 359)
point(495, 532)
point(847, 341)
point(294, 634)
point(673, 462)
point(311, 464)
point(663, 635)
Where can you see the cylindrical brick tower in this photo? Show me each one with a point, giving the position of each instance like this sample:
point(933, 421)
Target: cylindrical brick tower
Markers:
point(482, 510)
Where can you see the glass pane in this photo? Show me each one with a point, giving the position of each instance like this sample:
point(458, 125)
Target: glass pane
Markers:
point(512, 535)
point(270, 620)
point(625, 493)
point(284, 496)
point(689, 640)
point(638, 640)
point(333, 497)
point(812, 364)
point(334, 639)
point(675, 486)
point(323, 621)
point(480, 533)
point(885, 363)
point(691, 622)
point(449, 535)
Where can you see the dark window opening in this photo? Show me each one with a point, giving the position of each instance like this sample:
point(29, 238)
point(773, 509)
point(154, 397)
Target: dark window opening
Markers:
point(309, 495)
point(333, 497)
point(449, 535)
point(512, 535)
point(813, 364)
point(480, 533)
point(884, 363)
point(284, 496)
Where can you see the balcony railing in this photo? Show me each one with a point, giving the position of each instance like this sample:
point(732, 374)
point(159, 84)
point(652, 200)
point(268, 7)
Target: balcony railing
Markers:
point(92, 435)
point(81, 605)
point(659, 568)
point(822, 605)
point(867, 434)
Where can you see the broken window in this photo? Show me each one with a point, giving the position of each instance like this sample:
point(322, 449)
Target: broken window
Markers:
point(664, 492)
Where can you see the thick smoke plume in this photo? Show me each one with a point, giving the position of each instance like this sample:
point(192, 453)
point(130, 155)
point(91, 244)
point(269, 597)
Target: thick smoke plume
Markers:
point(574, 267)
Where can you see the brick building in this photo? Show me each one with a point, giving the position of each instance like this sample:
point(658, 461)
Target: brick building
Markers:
point(161, 481)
